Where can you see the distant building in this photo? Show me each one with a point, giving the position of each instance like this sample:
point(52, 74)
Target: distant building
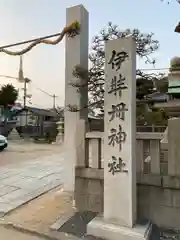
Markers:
point(35, 116)
point(37, 123)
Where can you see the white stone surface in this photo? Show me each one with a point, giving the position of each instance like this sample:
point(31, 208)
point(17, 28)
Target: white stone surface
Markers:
point(76, 54)
point(120, 188)
point(106, 230)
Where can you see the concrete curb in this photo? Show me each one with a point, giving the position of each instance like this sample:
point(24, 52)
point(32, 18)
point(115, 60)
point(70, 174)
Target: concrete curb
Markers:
point(41, 192)
point(51, 236)
point(26, 231)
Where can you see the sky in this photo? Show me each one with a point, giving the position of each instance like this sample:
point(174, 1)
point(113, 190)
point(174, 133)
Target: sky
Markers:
point(45, 64)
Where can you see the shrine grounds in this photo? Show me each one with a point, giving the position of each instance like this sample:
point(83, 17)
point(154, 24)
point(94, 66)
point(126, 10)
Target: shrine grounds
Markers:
point(28, 170)
point(21, 151)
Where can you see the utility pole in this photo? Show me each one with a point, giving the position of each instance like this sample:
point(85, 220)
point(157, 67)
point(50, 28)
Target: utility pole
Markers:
point(54, 101)
point(25, 93)
point(23, 80)
point(21, 74)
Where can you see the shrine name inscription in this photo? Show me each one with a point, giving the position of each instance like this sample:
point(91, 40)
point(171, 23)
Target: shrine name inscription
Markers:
point(117, 136)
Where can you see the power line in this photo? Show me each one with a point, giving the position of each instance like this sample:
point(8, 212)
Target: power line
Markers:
point(5, 76)
point(25, 91)
point(40, 89)
point(50, 95)
point(53, 96)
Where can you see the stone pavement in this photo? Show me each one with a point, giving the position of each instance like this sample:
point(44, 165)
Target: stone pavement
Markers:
point(20, 183)
point(21, 151)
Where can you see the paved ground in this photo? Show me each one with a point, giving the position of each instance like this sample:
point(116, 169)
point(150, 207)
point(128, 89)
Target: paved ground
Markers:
point(28, 170)
point(20, 151)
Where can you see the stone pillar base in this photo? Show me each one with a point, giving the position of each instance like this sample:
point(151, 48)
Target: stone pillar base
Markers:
point(100, 228)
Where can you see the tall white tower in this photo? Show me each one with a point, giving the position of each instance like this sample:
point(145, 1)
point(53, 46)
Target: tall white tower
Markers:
point(24, 85)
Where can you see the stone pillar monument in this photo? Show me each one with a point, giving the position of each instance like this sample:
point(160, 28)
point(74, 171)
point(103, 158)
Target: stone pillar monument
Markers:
point(119, 220)
point(76, 52)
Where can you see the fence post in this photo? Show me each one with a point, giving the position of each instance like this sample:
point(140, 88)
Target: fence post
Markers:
point(139, 156)
point(155, 156)
point(173, 147)
point(80, 144)
point(96, 152)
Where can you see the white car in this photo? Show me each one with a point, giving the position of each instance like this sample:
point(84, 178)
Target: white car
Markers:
point(3, 142)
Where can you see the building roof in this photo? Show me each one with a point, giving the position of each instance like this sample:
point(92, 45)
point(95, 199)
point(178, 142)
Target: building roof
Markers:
point(39, 111)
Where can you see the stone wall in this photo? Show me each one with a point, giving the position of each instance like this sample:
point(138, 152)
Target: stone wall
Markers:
point(89, 189)
point(158, 198)
point(160, 205)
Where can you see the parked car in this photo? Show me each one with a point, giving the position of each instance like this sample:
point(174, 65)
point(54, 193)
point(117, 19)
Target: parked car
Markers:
point(3, 142)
